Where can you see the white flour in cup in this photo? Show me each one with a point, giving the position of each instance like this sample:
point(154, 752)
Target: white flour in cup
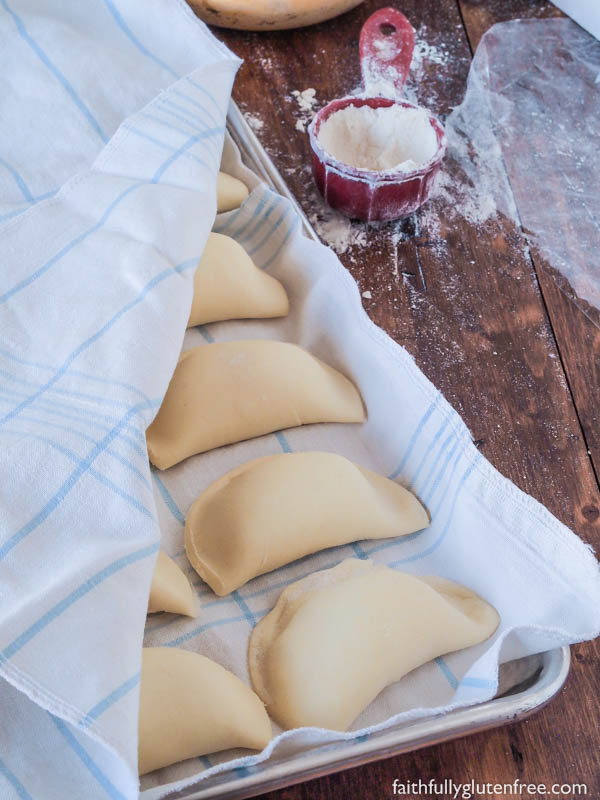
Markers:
point(385, 139)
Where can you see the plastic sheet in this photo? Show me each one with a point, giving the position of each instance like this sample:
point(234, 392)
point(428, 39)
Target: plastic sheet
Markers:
point(526, 139)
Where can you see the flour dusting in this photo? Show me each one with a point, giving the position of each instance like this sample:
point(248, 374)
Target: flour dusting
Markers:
point(471, 184)
point(338, 231)
point(306, 101)
point(254, 121)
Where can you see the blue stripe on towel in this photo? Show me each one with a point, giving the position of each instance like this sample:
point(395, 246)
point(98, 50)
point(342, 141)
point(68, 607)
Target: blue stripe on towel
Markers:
point(18, 180)
point(78, 415)
point(478, 683)
point(195, 119)
point(99, 333)
point(21, 209)
point(83, 755)
point(268, 235)
point(205, 91)
point(208, 625)
point(245, 608)
point(415, 476)
point(64, 490)
point(472, 683)
point(447, 672)
point(442, 471)
point(163, 108)
point(261, 218)
point(442, 535)
point(93, 472)
point(110, 699)
point(168, 498)
point(70, 245)
point(14, 782)
point(87, 586)
point(283, 442)
point(237, 234)
point(414, 438)
point(95, 398)
point(75, 373)
point(165, 146)
point(233, 215)
point(131, 36)
point(185, 146)
point(196, 104)
point(421, 489)
point(55, 71)
point(83, 415)
point(203, 331)
point(435, 511)
point(109, 451)
point(291, 231)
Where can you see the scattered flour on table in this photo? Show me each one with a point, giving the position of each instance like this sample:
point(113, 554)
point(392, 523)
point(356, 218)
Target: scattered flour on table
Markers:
point(254, 121)
point(471, 183)
point(338, 231)
point(266, 62)
point(306, 101)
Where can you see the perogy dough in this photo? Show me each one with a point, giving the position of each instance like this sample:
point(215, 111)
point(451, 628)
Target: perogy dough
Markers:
point(230, 391)
point(275, 509)
point(189, 706)
point(337, 638)
point(228, 285)
point(231, 192)
point(170, 590)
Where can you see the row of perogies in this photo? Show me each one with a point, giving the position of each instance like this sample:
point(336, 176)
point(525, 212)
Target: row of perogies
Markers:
point(336, 638)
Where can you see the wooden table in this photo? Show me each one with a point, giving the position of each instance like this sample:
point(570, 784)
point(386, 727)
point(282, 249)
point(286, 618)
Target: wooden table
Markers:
point(488, 326)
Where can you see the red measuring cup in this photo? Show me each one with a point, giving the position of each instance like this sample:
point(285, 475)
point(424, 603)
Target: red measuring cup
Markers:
point(387, 42)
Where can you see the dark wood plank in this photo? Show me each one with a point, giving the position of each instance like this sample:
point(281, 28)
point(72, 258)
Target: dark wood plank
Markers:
point(465, 301)
point(478, 17)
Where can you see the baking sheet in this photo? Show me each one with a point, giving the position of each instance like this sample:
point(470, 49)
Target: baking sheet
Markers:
point(537, 678)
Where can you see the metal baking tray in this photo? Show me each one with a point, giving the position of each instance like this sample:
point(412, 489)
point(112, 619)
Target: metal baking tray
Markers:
point(525, 685)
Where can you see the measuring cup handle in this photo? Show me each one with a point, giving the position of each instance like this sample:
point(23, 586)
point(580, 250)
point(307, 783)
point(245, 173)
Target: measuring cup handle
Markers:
point(387, 41)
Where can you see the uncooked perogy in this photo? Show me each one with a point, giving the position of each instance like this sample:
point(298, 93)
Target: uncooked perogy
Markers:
point(228, 285)
point(226, 392)
point(337, 638)
point(170, 590)
point(275, 509)
point(231, 192)
point(190, 706)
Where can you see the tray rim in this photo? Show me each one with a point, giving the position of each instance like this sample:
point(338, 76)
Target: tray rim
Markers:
point(396, 740)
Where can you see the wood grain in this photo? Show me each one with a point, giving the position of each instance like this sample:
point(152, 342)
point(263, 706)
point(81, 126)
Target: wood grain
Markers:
point(464, 299)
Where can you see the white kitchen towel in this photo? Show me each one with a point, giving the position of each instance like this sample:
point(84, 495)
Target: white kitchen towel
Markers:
point(584, 12)
point(95, 295)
